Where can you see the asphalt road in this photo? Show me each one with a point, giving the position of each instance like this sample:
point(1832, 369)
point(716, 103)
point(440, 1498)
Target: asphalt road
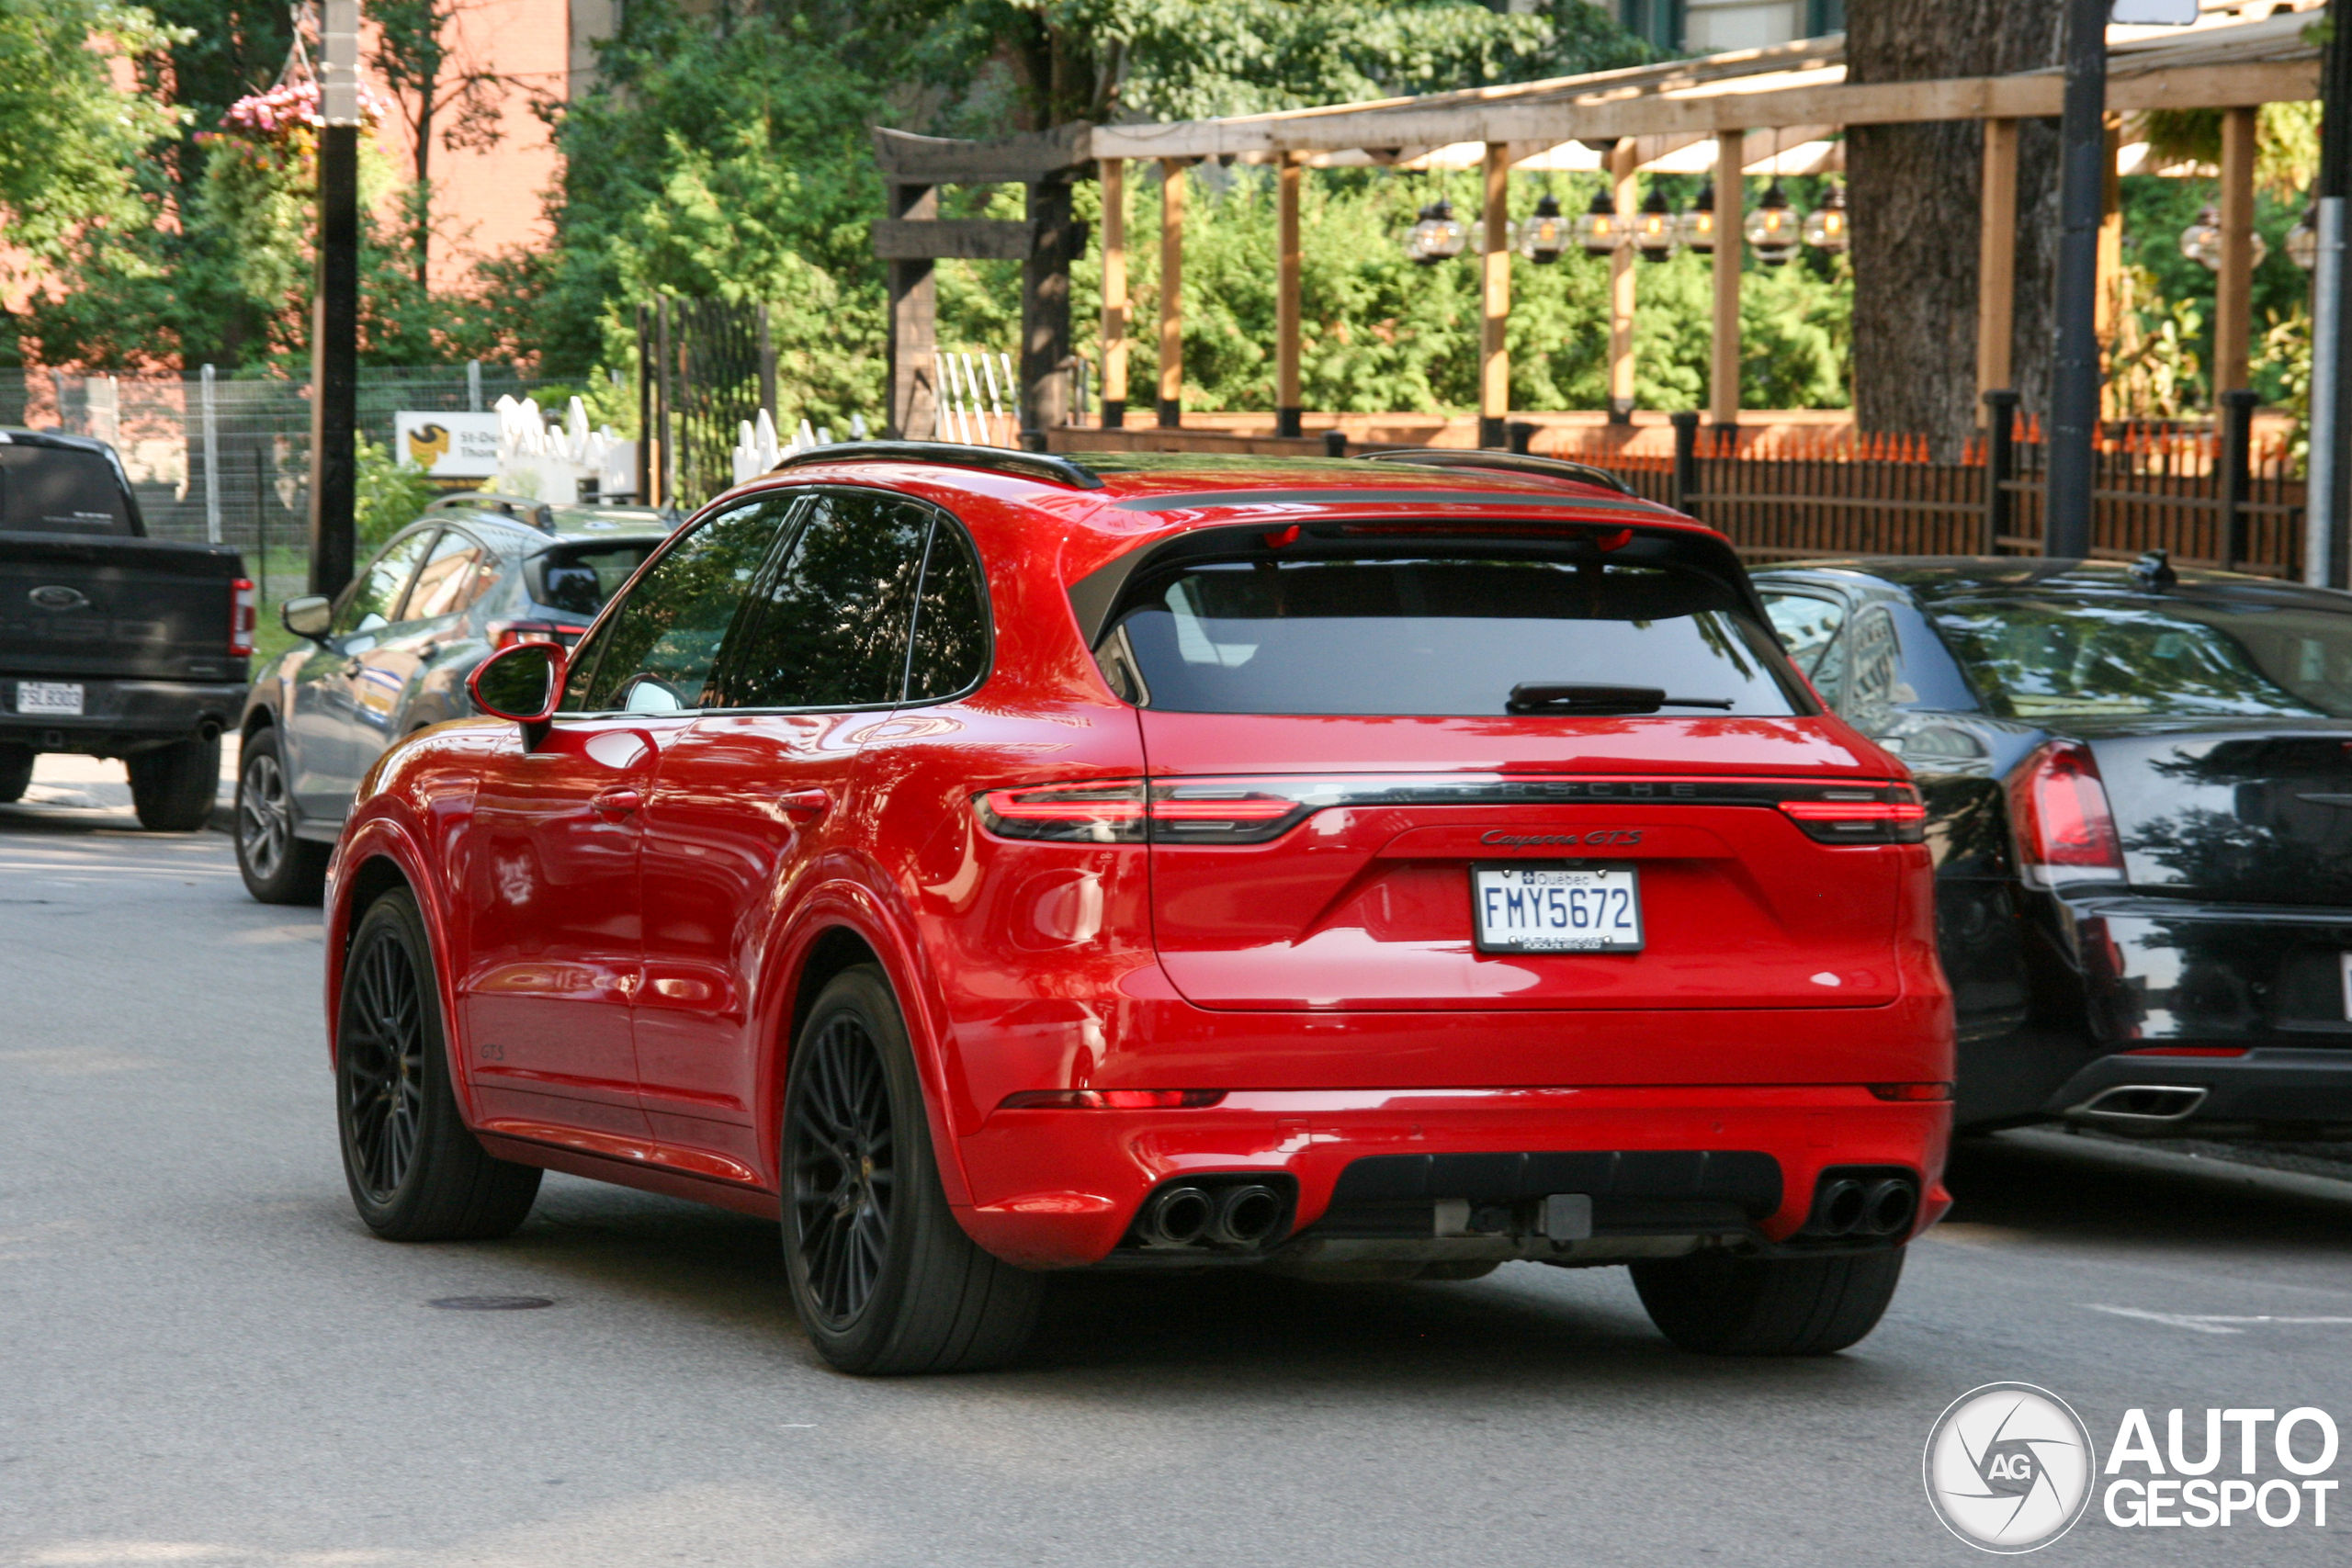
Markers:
point(205, 1360)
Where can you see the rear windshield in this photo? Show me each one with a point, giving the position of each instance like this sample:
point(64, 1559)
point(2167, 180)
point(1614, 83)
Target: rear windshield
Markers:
point(580, 579)
point(2047, 659)
point(49, 489)
point(1437, 636)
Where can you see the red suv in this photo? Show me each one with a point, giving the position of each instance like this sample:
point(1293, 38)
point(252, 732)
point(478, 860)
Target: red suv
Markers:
point(990, 863)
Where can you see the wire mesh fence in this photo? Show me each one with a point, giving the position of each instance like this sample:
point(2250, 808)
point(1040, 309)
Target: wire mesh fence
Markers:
point(228, 457)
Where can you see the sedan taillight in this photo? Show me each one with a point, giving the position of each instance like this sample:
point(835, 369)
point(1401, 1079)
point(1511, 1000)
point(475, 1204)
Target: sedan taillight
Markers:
point(2065, 829)
point(244, 615)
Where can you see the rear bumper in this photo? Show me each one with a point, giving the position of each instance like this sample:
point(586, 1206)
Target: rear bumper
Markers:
point(122, 716)
point(2158, 1096)
point(1061, 1189)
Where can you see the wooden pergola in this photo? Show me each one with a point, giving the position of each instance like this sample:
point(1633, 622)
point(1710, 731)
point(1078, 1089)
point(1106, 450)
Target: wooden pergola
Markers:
point(1623, 121)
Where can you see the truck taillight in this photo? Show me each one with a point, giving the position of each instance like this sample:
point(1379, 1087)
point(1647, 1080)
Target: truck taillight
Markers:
point(506, 634)
point(2065, 829)
point(244, 615)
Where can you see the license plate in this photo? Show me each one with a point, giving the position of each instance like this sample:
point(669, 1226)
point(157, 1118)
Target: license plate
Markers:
point(1557, 908)
point(50, 698)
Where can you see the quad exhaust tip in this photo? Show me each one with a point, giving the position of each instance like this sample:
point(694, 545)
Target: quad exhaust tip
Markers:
point(2141, 1104)
point(1847, 1207)
point(1228, 1216)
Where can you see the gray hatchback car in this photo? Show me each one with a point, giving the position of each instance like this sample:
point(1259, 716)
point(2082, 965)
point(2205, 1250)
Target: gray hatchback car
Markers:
point(389, 655)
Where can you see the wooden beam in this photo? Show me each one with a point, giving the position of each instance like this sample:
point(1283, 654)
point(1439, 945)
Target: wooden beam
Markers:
point(1288, 260)
point(2233, 283)
point(1171, 291)
point(1996, 260)
point(1723, 389)
point(960, 238)
point(1623, 158)
point(1013, 160)
point(1596, 117)
point(2110, 266)
point(1494, 315)
point(1115, 292)
point(914, 323)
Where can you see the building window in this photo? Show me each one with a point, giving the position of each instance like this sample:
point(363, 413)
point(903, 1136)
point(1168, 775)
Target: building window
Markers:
point(1658, 23)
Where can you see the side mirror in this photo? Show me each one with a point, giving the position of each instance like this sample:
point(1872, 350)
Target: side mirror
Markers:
point(309, 616)
point(521, 682)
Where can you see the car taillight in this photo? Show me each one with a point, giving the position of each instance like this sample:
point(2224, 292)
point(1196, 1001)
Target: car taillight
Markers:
point(1112, 1100)
point(2065, 831)
point(506, 634)
point(1886, 815)
point(1129, 811)
point(244, 615)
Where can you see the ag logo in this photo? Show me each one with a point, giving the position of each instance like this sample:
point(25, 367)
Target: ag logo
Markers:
point(2008, 1467)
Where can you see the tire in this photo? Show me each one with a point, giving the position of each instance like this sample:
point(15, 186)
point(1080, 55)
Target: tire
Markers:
point(15, 772)
point(1769, 1306)
point(173, 786)
point(883, 1279)
point(416, 1173)
point(278, 868)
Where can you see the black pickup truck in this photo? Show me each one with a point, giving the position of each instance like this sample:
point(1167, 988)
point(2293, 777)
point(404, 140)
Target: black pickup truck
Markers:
point(113, 644)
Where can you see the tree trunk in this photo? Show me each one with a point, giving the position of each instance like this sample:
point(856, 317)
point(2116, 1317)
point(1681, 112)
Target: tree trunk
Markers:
point(1915, 191)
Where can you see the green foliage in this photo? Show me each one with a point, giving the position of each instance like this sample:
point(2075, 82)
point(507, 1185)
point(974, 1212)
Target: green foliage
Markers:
point(2155, 212)
point(389, 495)
point(69, 139)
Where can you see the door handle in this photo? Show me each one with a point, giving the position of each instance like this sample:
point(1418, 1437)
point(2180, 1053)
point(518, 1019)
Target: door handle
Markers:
point(810, 803)
point(616, 802)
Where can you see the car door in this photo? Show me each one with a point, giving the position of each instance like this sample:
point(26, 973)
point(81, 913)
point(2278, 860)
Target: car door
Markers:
point(554, 955)
point(322, 710)
point(387, 679)
point(753, 798)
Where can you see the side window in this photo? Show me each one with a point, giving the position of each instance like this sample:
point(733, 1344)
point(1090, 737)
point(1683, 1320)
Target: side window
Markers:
point(1873, 673)
point(1806, 626)
point(455, 574)
point(832, 617)
point(654, 655)
point(373, 601)
point(951, 644)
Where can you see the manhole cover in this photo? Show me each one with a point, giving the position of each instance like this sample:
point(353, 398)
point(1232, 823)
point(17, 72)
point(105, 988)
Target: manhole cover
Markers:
point(491, 1303)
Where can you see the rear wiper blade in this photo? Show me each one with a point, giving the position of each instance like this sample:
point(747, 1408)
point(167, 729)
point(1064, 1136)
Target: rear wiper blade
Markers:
point(1583, 697)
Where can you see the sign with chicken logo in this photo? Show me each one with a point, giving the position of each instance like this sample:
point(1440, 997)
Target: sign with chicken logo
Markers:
point(448, 446)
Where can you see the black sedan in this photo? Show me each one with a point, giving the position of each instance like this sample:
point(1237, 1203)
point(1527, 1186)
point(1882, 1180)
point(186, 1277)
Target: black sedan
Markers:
point(2140, 800)
point(390, 655)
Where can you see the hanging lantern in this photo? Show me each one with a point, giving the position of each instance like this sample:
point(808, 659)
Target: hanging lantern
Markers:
point(1655, 228)
point(1543, 237)
point(2201, 241)
point(1697, 226)
point(1599, 231)
point(1774, 227)
point(1825, 230)
point(2303, 241)
point(1439, 236)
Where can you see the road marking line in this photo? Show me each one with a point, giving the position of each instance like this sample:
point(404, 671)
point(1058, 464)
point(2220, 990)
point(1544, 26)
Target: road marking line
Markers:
point(2207, 1323)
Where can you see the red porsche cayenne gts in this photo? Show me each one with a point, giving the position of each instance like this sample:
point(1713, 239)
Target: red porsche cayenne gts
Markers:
point(991, 863)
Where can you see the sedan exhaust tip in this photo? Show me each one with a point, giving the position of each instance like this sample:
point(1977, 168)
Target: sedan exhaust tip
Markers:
point(2140, 1105)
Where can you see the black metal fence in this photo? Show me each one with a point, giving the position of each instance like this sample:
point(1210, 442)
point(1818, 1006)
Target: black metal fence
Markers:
point(705, 367)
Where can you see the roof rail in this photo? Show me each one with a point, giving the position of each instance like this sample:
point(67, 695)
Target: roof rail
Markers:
point(1029, 465)
point(521, 508)
point(1509, 462)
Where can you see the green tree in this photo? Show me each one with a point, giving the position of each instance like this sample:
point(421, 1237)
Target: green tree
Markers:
point(69, 139)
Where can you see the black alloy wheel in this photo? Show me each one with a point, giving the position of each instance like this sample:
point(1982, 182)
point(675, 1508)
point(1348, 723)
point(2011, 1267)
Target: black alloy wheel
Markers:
point(383, 1063)
point(882, 1274)
point(844, 1169)
point(415, 1171)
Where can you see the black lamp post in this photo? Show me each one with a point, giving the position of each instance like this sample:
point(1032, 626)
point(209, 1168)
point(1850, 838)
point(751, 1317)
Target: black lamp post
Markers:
point(2082, 182)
